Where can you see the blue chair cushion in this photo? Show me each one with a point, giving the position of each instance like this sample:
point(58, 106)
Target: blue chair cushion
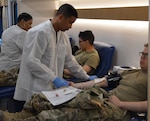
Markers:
point(6, 92)
point(106, 52)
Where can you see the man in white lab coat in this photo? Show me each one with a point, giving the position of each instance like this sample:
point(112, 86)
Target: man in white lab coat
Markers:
point(46, 53)
point(12, 42)
point(11, 49)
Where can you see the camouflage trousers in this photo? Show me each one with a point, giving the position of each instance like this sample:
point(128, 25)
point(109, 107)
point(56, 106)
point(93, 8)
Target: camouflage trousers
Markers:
point(89, 105)
point(9, 77)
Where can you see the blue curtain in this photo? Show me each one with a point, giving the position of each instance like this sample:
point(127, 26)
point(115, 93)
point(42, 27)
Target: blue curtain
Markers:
point(1, 25)
point(15, 12)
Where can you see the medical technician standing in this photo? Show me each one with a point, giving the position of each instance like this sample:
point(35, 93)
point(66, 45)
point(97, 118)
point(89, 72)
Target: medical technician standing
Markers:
point(12, 42)
point(46, 52)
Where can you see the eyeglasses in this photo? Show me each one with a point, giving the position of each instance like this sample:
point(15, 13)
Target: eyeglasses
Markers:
point(145, 55)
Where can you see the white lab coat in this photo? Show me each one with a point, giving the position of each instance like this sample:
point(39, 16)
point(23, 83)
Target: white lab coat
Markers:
point(44, 57)
point(12, 45)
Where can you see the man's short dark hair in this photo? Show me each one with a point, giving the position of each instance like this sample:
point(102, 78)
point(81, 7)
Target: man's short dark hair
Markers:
point(67, 10)
point(87, 35)
point(24, 16)
point(146, 45)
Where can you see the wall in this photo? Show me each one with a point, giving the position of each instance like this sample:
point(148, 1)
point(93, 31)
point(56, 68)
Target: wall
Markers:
point(41, 10)
point(104, 3)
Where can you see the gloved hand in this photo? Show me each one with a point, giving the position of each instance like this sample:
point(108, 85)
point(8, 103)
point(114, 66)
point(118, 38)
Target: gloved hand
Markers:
point(92, 77)
point(59, 82)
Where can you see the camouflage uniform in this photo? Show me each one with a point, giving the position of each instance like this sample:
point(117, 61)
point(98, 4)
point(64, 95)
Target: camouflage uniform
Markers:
point(89, 105)
point(9, 77)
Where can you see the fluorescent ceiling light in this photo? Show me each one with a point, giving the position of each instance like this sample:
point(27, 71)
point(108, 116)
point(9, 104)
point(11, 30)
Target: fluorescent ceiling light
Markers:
point(116, 23)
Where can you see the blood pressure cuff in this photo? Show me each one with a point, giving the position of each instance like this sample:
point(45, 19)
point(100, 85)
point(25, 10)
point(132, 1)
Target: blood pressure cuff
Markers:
point(113, 79)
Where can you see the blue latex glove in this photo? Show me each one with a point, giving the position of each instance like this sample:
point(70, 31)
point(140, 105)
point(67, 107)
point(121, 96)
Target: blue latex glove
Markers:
point(92, 77)
point(59, 82)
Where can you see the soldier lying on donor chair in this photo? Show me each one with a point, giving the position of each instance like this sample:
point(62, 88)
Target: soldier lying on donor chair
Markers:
point(93, 103)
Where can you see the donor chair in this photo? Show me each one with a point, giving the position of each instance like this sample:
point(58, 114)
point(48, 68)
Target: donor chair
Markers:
point(106, 52)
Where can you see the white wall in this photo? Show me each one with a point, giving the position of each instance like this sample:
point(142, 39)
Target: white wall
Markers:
point(41, 10)
point(104, 3)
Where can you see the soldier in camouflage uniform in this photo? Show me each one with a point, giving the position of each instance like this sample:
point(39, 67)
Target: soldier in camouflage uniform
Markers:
point(9, 77)
point(91, 104)
point(88, 105)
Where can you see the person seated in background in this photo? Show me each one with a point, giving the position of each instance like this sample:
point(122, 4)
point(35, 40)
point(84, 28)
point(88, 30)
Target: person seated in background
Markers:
point(93, 103)
point(11, 49)
point(87, 56)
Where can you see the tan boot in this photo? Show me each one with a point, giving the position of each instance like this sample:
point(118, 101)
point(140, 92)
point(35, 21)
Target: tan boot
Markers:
point(6, 116)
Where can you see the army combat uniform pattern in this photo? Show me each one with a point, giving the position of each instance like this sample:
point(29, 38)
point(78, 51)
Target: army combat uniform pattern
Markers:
point(89, 105)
